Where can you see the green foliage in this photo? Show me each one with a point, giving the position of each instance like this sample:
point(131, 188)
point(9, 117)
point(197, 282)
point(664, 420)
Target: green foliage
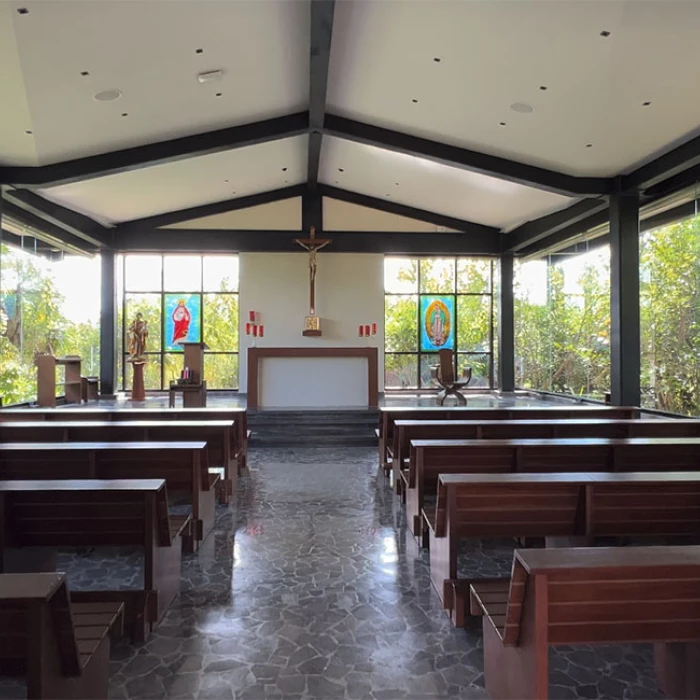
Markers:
point(562, 342)
point(670, 318)
point(31, 322)
point(471, 277)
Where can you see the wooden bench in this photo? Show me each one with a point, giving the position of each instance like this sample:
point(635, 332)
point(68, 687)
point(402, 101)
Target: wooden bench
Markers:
point(36, 516)
point(592, 596)
point(570, 508)
point(61, 647)
point(219, 436)
point(390, 414)
point(239, 415)
point(182, 465)
point(407, 430)
point(430, 458)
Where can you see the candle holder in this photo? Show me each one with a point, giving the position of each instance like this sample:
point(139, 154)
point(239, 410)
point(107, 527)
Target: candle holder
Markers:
point(253, 327)
point(367, 330)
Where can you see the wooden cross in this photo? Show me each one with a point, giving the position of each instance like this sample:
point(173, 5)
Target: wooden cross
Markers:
point(312, 245)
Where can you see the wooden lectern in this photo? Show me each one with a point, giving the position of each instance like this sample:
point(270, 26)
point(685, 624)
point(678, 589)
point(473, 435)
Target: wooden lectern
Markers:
point(46, 379)
point(194, 393)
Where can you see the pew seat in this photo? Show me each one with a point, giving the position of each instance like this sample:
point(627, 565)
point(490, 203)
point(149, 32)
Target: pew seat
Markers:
point(591, 596)
point(61, 647)
point(39, 517)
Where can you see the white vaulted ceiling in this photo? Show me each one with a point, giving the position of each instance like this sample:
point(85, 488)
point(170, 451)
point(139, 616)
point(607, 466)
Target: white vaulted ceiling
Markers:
point(147, 50)
point(448, 71)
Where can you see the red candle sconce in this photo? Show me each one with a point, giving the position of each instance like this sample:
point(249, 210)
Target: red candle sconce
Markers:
point(367, 330)
point(253, 326)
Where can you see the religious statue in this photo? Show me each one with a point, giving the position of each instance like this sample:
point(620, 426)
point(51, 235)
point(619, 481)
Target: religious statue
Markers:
point(181, 322)
point(138, 332)
point(312, 245)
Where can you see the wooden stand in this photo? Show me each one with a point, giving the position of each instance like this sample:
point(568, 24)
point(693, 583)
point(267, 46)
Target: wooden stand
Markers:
point(138, 387)
point(193, 395)
point(46, 379)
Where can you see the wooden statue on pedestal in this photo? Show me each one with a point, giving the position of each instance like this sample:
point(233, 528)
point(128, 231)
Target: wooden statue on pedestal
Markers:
point(138, 334)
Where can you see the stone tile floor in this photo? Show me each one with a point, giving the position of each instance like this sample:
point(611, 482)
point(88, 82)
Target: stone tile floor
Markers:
point(312, 588)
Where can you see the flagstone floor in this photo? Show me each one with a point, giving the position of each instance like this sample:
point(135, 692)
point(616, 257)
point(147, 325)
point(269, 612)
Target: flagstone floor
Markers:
point(311, 588)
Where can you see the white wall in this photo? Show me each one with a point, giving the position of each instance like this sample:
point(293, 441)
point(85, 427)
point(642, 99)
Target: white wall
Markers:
point(349, 291)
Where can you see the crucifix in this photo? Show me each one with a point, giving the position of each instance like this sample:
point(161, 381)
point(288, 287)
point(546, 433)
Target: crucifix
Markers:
point(312, 245)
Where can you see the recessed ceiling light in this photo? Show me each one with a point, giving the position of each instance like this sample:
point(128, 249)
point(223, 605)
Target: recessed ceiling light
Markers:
point(22, 11)
point(226, 180)
point(415, 101)
point(605, 33)
point(437, 59)
point(335, 182)
point(341, 170)
point(589, 145)
point(125, 114)
point(84, 72)
point(646, 104)
point(396, 183)
point(284, 170)
point(522, 108)
point(543, 87)
point(199, 50)
point(234, 192)
point(107, 95)
point(210, 76)
point(218, 94)
point(501, 123)
point(387, 194)
point(28, 131)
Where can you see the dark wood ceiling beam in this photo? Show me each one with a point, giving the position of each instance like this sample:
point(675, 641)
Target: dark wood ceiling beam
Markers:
point(227, 241)
point(77, 225)
point(404, 210)
point(321, 36)
point(529, 233)
point(455, 157)
point(665, 167)
point(160, 153)
point(176, 217)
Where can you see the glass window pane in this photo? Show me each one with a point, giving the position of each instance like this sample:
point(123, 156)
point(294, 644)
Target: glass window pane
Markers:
point(474, 323)
point(401, 323)
point(221, 371)
point(221, 322)
point(437, 275)
point(151, 374)
point(183, 320)
point(220, 273)
point(427, 362)
point(400, 275)
point(480, 365)
point(473, 275)
point(149, 306)
point(182, 273)
point(401, 371)
point(143, 273)
point(172, 367)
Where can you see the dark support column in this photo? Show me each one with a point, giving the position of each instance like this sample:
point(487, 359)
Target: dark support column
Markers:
point(108, 325)
point(312, 212)
point(506, 330)
point(624, 299)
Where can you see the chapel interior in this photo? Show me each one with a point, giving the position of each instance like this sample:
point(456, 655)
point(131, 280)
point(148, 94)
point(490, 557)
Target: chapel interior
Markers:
point(349, 349)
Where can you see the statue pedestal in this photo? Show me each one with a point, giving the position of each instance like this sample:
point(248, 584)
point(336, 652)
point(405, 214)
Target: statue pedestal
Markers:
point(138, 390)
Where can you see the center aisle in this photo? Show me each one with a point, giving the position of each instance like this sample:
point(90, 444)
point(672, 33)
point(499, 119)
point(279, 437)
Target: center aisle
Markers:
point(312, 588)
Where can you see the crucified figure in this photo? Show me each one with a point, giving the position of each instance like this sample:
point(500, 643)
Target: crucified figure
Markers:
point(312, 245)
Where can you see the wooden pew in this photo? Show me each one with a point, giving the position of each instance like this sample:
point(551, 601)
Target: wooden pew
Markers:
point(592, 596)
point(430, 458)
point(576, 507)
point(239, 415)
point(219, 436)
point(183, 465)
point(407, 430)
point(92, 513)
point(389, 414)
point(59, 646)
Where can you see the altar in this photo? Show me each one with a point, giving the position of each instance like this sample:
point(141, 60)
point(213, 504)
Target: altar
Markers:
point(316, 377)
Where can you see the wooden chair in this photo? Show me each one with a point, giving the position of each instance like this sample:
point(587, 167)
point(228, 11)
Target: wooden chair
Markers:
point(444, 375)
point(61, 647)
point(591, 596)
